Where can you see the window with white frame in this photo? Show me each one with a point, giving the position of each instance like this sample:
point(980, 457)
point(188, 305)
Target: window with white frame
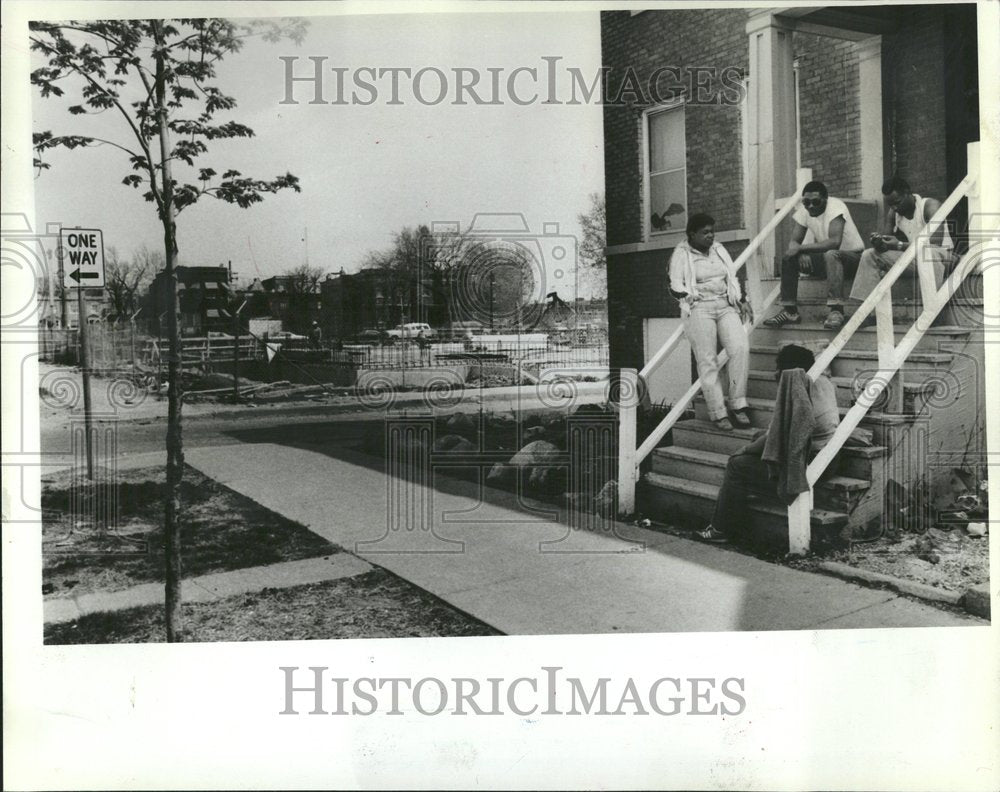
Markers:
point(666, 170)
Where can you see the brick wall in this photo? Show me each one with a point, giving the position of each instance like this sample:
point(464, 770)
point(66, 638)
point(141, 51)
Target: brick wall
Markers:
point(914, 116)
point(683, 39)
point(913, 69)
point(829, 122)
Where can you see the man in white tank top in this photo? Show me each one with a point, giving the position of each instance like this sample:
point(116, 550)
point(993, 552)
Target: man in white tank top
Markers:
point(906, 216)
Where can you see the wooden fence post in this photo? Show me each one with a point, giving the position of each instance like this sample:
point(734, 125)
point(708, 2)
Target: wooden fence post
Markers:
point(628, 402)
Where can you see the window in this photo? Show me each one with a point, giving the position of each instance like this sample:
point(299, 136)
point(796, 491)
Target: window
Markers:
point(796, 77)
point(666, 171)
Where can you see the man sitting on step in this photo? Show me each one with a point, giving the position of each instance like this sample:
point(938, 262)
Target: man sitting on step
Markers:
point(906, 217)
point(747, 472)
point(833, 252)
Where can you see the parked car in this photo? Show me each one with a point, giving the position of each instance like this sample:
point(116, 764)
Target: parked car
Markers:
point(412, 330)
point(371, 336)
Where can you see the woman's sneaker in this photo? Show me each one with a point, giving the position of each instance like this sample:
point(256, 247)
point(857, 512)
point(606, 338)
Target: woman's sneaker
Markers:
point(741, 419)
point(782, 318)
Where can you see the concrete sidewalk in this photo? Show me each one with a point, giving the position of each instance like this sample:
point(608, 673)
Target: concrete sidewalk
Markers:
point(206, 588)
point(522, 571)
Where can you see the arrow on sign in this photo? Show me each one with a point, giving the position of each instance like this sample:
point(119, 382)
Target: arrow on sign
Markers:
point(78, 276)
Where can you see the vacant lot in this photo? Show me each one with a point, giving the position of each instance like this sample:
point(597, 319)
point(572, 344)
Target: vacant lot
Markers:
point(87, 548)
point(376, 604)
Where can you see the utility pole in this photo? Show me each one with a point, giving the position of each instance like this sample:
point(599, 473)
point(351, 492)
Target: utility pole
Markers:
point(236, 352)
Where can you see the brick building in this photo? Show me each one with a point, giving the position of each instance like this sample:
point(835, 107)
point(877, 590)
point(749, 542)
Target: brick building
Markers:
point(202, 297)
point(728, 111)
point(296, 303)
point(377, 298)
point(854, 94)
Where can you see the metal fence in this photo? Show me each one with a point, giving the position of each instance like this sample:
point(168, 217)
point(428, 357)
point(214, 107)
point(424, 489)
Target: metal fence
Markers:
point(529, 355)
point(116, 348)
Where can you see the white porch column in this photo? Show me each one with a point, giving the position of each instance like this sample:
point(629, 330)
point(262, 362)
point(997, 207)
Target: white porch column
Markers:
point(870, 112)
point(771, 127)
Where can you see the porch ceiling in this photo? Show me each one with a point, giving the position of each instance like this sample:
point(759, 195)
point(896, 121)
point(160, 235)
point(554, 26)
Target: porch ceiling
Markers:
point(843, 22)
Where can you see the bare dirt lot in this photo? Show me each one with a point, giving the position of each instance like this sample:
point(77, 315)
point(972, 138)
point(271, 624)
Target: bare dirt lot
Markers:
point(221, 531)
point(373, 605)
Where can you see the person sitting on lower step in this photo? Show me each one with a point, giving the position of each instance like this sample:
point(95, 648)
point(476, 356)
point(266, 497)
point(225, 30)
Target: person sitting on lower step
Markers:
point(747, 473)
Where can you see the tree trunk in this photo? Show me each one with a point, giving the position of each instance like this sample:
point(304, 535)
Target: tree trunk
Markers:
point(175, 448)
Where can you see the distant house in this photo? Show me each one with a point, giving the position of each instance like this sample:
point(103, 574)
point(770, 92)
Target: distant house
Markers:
point(203, 298)
point(289, 300)
point(50, 306)
point(380, 298)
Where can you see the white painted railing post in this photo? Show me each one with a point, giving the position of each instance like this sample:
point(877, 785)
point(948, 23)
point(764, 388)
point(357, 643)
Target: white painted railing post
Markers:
point(885, 337)
point(628, 467)
point(799, 523)
point(976, 218)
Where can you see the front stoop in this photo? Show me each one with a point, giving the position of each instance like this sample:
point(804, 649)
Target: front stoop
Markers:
point(682, 485)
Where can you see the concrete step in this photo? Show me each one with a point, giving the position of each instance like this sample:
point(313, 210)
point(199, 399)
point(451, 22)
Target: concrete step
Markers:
point(836, 493)
point(811, 334)
point(692, 503)
point(906, 288)
point(761, 410)
point(856, 462)
point(762, 385)
point(961, 311)
point(852, 362)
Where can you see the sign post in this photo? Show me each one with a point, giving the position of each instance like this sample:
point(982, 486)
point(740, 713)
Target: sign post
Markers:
point(83, 268)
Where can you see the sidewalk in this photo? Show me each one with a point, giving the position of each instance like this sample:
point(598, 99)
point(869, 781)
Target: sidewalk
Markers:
point(525, 573)
point(207, 588)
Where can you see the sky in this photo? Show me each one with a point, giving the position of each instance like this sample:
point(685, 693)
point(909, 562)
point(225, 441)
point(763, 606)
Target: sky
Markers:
point(365, 171)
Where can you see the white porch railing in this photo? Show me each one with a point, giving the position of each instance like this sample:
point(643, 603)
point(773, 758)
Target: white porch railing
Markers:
point(630, 457)
point(890, 355)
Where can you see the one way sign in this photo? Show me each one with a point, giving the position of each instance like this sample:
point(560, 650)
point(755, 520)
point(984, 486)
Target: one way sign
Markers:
point(82, 257)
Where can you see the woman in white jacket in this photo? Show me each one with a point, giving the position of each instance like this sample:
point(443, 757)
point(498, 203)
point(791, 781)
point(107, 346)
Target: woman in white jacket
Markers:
point(703, 278)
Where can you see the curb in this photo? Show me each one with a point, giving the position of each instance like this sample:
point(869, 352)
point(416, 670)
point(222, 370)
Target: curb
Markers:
point(210, 587)
point(531, 400)
point(975, 601)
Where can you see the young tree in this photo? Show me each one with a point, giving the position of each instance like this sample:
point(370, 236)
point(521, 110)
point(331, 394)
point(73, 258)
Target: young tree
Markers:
point(125, 279)
point(157, 78)
point(407, 271)
point(593, 262)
